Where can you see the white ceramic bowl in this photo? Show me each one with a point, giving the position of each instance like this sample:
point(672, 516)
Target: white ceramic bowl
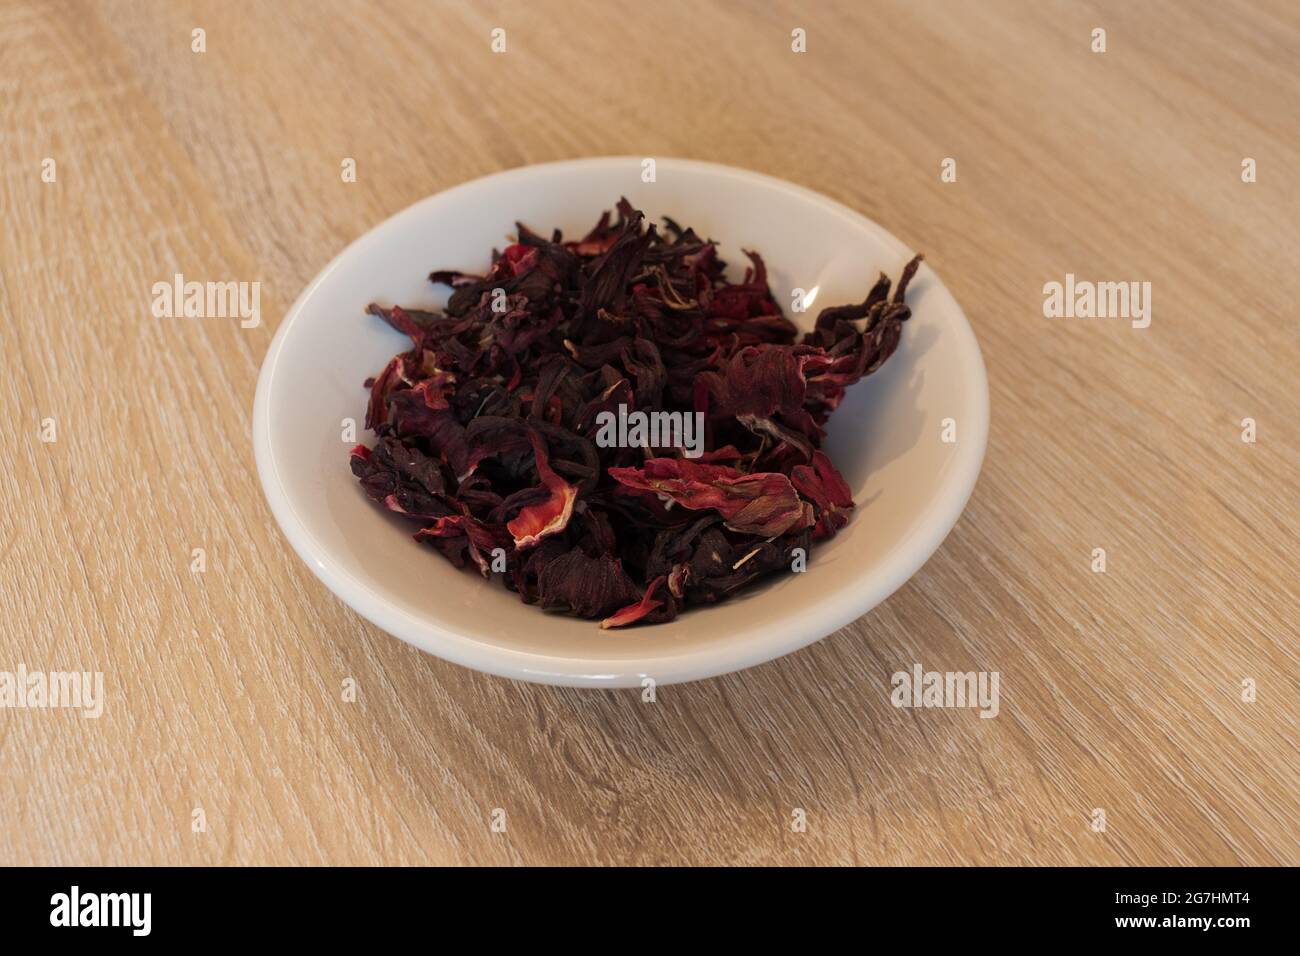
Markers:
point(910, 485)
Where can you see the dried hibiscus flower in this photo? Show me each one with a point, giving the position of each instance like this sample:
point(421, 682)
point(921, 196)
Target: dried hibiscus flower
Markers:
point(494, 429)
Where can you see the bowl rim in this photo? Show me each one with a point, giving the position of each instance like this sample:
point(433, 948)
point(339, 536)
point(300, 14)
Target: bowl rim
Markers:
point(754, 646)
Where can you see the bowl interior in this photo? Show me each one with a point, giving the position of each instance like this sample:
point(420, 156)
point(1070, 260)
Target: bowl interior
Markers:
point(886, 437)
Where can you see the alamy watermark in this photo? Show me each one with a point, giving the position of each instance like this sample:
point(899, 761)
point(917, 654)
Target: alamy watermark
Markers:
point(636, 429)
point(130, 910)
point(77, 690)
point(922, 688)
point(1082, 299)
point(179, 299)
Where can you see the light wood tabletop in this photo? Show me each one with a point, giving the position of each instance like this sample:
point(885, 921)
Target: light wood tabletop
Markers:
point(1148, 711)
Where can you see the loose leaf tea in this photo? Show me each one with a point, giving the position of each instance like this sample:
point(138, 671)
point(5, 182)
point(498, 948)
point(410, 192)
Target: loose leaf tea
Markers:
point(494, 431)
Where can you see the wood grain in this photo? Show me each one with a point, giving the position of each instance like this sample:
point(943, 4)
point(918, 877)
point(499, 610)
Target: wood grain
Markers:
point(1120, 691)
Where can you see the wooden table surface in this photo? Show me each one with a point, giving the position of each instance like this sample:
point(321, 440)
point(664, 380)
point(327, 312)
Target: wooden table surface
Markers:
point(1125, 691)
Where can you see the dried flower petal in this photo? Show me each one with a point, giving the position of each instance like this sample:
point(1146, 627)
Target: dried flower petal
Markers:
point(588, 587)
point(764, 504)
point(551, 516)
point(635, 612)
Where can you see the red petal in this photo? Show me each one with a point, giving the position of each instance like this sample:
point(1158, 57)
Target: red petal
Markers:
point(634, 612)
point(551, 516)
point(764, 503)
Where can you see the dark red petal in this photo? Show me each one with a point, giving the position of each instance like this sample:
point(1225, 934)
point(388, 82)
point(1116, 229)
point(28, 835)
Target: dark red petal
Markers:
point(764, 504)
